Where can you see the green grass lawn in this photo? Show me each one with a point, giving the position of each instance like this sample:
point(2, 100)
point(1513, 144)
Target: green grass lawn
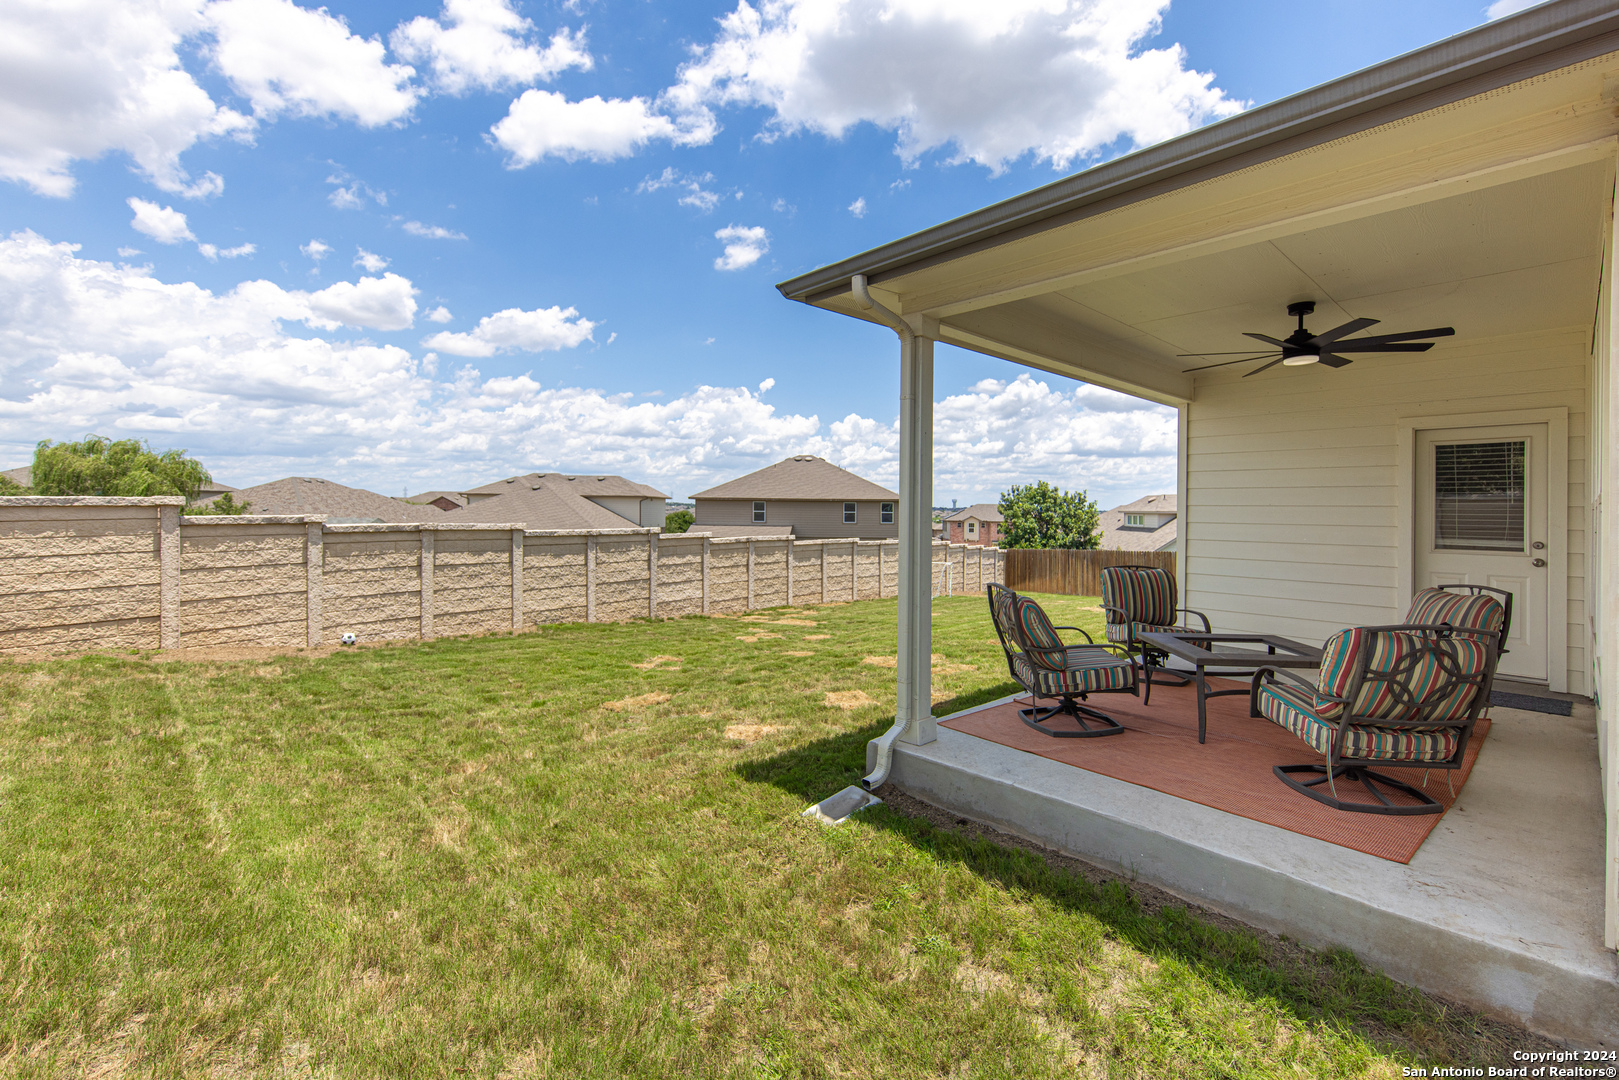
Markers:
point(555, 854)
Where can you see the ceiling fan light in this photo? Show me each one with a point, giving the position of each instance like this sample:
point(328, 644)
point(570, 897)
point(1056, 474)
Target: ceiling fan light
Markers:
point(1300, 361)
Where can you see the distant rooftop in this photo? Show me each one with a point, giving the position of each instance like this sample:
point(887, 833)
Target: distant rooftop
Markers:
point(803, 477)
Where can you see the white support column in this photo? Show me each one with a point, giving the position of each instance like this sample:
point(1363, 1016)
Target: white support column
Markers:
point(914, 705)
point(652, 575)
point(1605, 523)
point(427, 585)
point(517, 579)
point(590, 579)
point(314, 563)
point(1182, 503)
point(168, 577)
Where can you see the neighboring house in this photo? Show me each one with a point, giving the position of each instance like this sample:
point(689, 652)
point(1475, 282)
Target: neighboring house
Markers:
point(1148, 524)
point(806, 496)
point(540, 506)
point(23, 476)
point(636, 505)
point(978, 524)
point(339, 503)
point(1467, 185)
point(444, 500)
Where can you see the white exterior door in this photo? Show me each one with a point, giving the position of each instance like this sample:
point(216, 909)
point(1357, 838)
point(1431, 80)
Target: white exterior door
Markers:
point(1481, 520)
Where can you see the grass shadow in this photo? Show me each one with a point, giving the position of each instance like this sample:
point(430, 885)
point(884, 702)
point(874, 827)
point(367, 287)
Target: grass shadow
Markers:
point(1327, 987)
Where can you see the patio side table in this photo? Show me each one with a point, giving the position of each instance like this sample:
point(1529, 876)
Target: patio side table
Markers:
point(1204, 651)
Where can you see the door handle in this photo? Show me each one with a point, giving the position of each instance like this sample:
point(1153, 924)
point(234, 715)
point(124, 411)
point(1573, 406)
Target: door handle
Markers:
point(1538, 562)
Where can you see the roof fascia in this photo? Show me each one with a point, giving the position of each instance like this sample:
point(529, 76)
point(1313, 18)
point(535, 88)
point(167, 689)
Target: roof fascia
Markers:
point(1499, 53)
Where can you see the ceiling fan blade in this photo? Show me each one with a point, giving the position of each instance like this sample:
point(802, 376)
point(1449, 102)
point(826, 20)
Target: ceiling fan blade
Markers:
point(1409, 335)
point(1267, 340)
point(1379, 346)
point(1224, 363)
point(1335, 361)
point(1262, 367)
point(1233, 352)
point(1352, 327)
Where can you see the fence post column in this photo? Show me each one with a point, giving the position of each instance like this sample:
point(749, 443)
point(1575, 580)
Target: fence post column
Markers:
point(517, 579)
point(750, 575)
point(168, 577)
point(854, 570)
point(427, 585)
point(652, 575)
point(706, 541)
point(314, 564)
point(790, 543)
point(590, 579)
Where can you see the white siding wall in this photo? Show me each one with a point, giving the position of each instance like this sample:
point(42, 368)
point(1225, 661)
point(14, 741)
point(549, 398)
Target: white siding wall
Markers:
point(1292, 485)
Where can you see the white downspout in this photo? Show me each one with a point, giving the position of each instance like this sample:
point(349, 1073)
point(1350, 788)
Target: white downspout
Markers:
point(914, 690)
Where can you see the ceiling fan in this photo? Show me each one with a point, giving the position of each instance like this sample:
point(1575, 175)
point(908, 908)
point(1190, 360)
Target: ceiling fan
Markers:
point(1301, 347)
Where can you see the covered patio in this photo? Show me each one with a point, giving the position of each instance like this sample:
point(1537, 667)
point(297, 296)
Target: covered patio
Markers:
point(1467, 185)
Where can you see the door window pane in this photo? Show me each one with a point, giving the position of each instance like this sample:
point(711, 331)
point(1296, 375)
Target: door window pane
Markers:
point(1479, 496)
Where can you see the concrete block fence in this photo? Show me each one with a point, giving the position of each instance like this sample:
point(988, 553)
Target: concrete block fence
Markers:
point(87, 573)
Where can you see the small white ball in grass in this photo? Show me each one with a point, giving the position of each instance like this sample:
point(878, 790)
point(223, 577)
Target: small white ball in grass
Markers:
point(349, 638)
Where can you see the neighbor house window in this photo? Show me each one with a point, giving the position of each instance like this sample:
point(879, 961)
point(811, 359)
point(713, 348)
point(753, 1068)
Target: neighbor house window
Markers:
point(972, 528)
point(758, 513)
point(1135, 519)
point(888, 513)
point(848, 513)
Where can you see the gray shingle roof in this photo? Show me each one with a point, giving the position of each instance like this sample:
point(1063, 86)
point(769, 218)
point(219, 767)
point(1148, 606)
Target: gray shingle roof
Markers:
point(542, 507)
point(804, 477)
point(981, 511)
point(313, 495)
point(588, 484)
point(1116, 537)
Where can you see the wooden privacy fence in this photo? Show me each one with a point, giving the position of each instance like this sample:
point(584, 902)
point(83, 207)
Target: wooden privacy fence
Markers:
point(1073, 573)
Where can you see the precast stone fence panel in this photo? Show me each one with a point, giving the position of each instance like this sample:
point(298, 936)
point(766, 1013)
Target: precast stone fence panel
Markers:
point(89, 573)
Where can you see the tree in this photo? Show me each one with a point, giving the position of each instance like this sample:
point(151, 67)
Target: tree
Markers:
point(1040, 516)
point(128, 467)
point(8, 486)
point(224, 506)
point(678, 521)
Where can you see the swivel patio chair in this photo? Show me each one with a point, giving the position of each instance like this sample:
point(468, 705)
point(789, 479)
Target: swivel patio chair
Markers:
point(1047, 668)
point(1475, 609)
point(1143, 600)
point(1397, 696)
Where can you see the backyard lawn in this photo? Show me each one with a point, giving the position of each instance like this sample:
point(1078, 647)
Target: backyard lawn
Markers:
point(577, 852)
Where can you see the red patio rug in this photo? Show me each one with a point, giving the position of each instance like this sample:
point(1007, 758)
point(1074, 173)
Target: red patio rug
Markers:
point(1230, 772)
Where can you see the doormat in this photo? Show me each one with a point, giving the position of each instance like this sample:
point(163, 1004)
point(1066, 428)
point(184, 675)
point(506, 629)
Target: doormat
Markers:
point(1530, 703)
point(1230, 772)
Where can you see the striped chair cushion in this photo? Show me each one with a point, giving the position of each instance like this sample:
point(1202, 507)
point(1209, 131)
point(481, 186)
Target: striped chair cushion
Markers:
point(1125, 632)
point(1146, 594)
point(1084, 670)
point(1293, 708)
point(1423, 681)
point(1003, 608)
point(1468, 611)
point(1038, 633)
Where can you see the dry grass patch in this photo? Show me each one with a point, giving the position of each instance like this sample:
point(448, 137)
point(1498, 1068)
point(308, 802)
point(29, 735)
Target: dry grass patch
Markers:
point(652, 663)
point(847, 699)
point(751, 638)
point(642, 702)
point(750, 733)
point(798, 652)
point(816, 637)
point(796, 622)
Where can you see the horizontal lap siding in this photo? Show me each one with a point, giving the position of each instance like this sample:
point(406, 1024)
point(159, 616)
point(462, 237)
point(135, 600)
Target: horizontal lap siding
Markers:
point(1291, 518)
point(554, 579)
point(243, 585)
point(680, 576)
point(621, 578)
point(371, 585)
point(78, 577)
point(472, 582)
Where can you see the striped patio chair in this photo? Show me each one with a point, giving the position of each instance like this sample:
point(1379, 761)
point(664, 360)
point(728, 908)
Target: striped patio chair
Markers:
point(1143, 599)
point(1398, 696)
point(1474, 609)
point(1047, 668)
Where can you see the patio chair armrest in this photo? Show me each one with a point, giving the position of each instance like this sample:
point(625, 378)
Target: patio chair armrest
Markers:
point(1088, 639)
point(1207, 628)
point(1124, 616)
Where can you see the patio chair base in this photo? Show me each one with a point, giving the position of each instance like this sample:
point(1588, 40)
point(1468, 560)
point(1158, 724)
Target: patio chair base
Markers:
point(1083, 714)
point(1320, 790)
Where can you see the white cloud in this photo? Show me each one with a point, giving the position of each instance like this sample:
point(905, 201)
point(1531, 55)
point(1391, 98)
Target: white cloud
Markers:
point(743, 246)
point(514, 329)
point(87, 78)
point(214, 254)
point(433, 232)
point(295, 61)
point(350, 194)
point(440, 314)
point(483, 44)
point(543, 123)
point(858, 207)
point(695, 194)
point(1061, 79)
point(129, 252)
point(385, 303)
point(368, 261)
point(1503, 8)
point(316, 249)
point(164, 224)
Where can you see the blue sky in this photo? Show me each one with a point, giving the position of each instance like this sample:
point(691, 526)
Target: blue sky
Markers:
point(420, 245)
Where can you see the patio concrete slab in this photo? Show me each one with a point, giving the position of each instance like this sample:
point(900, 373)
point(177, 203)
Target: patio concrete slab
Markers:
point(1501, 908)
